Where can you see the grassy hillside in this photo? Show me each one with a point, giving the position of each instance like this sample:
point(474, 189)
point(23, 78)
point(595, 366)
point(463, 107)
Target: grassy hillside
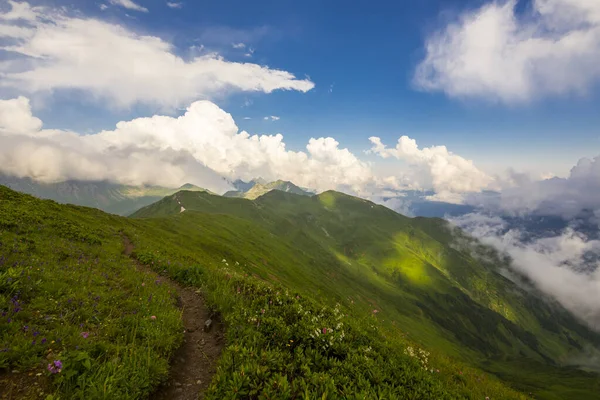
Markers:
point(338, 248)
point(77, 319)
point(69, 295)
point(106, 196)
point(306, 315)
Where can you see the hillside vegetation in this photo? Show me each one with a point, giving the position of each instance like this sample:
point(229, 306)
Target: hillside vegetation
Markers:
point(322, 297)
point(110, 197)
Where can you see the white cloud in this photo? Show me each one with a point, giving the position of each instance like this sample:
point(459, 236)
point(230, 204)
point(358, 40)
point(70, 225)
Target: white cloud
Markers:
point(119, 66)
point(20, 12)
point(495, 53)
point(449, 174)
point(198, 147)
point(556, 265)
point(103, 6)
point(272, 118)
point(174, 5)
point(16, 32)
point(238, 45)
point(16, 117)
point(565, 197)
point(129, 4)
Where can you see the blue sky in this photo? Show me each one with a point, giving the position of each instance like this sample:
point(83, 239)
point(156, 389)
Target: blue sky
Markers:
point(363, 59)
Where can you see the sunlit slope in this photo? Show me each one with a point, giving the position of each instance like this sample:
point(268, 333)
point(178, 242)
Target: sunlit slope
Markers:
point(406, 269)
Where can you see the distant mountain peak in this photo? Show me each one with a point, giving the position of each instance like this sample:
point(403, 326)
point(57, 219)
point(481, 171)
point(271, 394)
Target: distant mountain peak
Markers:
point(254, 189)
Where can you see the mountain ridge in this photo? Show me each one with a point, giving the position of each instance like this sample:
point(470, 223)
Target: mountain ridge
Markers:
point(104, 195)
point(399, 275)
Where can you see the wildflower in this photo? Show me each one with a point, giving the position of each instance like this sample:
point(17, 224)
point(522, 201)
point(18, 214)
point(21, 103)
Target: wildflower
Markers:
point(375, 311)
point(153, 317)
point(55, 367)
point(85, 334)
point(143, 283)
point(262, 311)
point(44, 341)
point(324, 331)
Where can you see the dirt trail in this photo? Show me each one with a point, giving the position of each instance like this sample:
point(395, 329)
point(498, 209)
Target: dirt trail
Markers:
point(194, 363)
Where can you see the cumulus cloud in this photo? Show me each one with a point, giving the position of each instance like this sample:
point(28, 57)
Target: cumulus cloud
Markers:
point(117, 65)
point(174, 5)
point(47, 155)
point(129, 4)
point(494, 52)
point(239, 45)
point(565, 197)
point(556, 265)
point(16, 117)
point(200, 147)
point(449, 174)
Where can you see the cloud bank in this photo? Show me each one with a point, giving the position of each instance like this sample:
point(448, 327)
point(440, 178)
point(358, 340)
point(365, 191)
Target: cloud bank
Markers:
point(449, 174)
point(51, 51)
point(556, 265)
point(200, 147)
point(569, 197)
point(495, 53)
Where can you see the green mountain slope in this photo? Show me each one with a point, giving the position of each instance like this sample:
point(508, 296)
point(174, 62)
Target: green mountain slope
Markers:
point(69, 297)
point(346, 249)
point(106, 196)
point(253, 190)
point(326, 296)
point(77, 319)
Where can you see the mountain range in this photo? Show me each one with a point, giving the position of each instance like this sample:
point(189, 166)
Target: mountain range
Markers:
point(106, 196)
point(413, 280)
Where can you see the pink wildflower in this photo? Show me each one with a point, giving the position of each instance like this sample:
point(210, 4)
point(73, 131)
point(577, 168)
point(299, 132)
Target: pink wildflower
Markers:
point(324, 331)
point(153, 317)
point(85, 334)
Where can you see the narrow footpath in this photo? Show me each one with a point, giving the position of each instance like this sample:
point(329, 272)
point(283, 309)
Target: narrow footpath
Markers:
point(194, 363)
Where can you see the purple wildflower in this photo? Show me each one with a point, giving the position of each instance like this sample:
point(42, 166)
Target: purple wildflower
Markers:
point(55, 367)
point(44, 341)
point(85, 334)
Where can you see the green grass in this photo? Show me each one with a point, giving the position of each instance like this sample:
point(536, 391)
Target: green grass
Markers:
point(341, 249)
point(68, 294)
point(310, 263)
